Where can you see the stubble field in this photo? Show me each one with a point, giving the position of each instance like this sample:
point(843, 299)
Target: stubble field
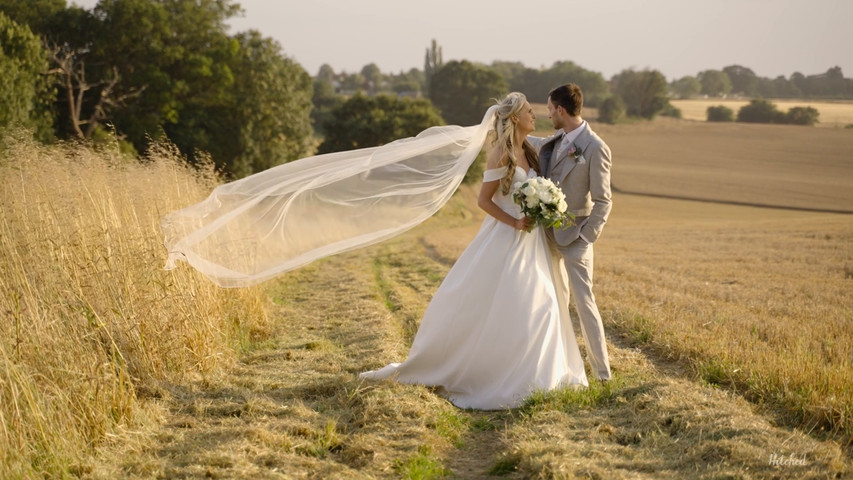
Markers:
point(832, 113)
point(730, 328)
point(770, 165)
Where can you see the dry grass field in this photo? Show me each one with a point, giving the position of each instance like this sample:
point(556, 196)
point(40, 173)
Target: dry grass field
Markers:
point(832, 113)
point(91, 324)
point(729, 328)
point(295, 409)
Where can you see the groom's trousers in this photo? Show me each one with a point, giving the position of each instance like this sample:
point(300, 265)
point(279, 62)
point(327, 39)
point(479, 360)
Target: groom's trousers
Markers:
point(578, 260)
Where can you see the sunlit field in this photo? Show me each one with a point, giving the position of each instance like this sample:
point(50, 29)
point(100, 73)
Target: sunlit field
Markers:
point(832, 113)
point(775, 165)
point(754, 298)
point(92, 325)
point(730, 329)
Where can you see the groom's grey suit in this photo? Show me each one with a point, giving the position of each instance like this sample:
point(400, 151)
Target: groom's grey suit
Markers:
point(585, 181)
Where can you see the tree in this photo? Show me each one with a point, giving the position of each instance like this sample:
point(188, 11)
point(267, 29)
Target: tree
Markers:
point(715, 83)
point(781, 87)
point(509, 70)
point(176, 51)
point(743, 80)
point(685, 87)
point(25, 91)
point(611, 110)
point(433, 62)
point(720, 113)
point(324, 100)
point(35, 14)
point(760, 111)
point(156, 68)
point(536, 84)
point(830, 84)
point(352, 82)
point(326, 73)
point(373, 77)
point(802, 116)
point(463, 91)
point(670, 110)
point(408, 83)
point(93, 83)
point(595, 88)
point(70, 69)
point(181, 52)
point(271, 105)
point(362, 121)
point(644, 92)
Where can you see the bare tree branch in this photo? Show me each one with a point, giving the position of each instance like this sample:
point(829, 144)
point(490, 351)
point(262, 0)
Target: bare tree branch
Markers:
point(71, 70)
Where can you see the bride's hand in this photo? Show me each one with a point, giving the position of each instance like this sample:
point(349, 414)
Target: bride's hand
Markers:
point(524, 223)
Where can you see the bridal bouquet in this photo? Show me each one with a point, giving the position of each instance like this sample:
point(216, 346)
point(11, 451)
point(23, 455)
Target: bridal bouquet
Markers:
point(542, 201)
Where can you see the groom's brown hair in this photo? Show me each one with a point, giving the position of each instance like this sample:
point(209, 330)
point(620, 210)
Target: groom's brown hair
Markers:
point(568, 96)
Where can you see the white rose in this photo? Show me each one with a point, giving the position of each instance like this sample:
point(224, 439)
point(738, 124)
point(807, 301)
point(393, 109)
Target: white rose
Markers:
point(558, 194)
point(562, 206)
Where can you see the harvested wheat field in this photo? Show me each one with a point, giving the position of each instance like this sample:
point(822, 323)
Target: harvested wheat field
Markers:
point(837, 113)
point(786, 166)
point(729, 328)
point(293, 408)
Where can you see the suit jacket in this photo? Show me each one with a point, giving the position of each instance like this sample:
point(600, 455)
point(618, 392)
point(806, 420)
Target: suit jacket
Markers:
point(585, 181)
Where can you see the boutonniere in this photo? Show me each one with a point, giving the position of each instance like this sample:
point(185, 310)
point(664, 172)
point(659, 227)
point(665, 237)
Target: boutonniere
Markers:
point(575, 154)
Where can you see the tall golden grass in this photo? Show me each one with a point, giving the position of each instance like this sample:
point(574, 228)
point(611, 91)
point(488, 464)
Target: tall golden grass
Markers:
point(91, 321)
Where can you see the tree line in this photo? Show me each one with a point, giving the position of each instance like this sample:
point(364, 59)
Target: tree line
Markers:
point(741, 81)
point(146, 70)
point(760, 110)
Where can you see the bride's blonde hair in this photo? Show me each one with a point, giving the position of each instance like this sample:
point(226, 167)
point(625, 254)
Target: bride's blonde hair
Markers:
point(504, 137)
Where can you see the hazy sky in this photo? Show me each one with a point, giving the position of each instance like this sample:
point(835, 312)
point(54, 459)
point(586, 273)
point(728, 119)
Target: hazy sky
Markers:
point(676, 37)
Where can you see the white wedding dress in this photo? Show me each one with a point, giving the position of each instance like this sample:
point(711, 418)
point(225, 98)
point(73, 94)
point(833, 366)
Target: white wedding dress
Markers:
point(498, 328)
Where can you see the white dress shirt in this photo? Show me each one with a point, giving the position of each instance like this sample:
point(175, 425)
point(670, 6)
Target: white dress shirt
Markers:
point(568, 138)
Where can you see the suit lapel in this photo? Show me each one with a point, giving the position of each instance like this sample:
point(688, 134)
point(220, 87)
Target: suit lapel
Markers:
point(566, 168)
point(581, 142)
point(546, 153)
point(556, 161)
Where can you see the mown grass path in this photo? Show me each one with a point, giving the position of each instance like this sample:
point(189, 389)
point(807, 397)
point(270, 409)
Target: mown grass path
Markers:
point(293, 407)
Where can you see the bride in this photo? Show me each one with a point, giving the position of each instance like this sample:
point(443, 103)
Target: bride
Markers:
point(497, 328)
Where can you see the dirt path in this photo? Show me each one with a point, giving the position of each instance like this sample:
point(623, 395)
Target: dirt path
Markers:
point(293, 408)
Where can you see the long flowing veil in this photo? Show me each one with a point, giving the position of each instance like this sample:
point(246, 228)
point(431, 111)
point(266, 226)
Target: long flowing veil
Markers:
point(255, 228)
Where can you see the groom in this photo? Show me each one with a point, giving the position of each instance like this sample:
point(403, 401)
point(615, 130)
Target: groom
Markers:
point(578, 161)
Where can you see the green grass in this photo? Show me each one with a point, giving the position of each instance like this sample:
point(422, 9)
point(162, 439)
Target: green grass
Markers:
point(571, 399)
point(421, 466)
point(386, 292)
point(452, 425)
